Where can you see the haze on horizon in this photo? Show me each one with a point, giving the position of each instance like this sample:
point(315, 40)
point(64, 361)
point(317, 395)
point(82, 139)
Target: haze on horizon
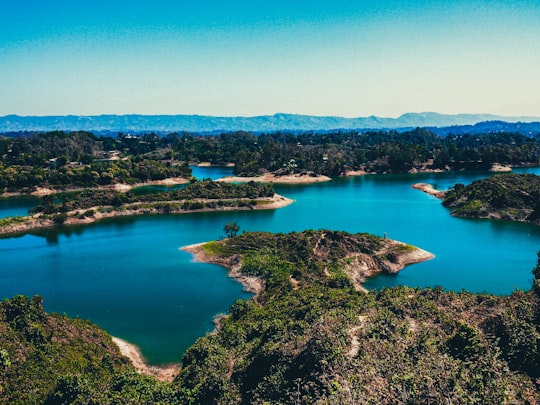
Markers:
point(247, 58)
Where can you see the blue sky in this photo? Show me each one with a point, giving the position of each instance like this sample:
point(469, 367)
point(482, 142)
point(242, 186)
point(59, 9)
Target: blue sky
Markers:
point(228, 58)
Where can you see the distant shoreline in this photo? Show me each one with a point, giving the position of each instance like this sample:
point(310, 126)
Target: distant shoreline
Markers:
point(120, 187)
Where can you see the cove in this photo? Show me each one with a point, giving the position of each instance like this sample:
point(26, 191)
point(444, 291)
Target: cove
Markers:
point(129, 276)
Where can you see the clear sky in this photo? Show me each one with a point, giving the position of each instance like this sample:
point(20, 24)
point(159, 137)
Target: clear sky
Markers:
point(249, 57)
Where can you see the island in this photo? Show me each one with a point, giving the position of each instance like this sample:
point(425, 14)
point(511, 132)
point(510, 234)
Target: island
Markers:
point(91, 205)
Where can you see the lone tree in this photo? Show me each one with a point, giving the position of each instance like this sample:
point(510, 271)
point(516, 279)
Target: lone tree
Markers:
point(231, 229)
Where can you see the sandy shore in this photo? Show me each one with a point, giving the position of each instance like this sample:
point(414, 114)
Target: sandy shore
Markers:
point(429, 189)
point(498, 168)
point(208, 164)
point(271, 178)
point(352, 173)
point(132, 352)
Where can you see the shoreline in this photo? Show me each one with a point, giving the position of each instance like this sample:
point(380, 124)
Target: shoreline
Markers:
point(120, 187)
point(37, 222)
point(251, 284)
point(360, 266)
point(166, 373)
point(272, 178)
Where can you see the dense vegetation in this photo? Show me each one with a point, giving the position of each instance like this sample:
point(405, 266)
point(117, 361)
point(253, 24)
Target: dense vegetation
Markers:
point(197, 190)
point(507, 196)
point(318, 341)
point(49, 358)
point(91, 204)
point(311, 341)
point(82, 159)
point(77, 159)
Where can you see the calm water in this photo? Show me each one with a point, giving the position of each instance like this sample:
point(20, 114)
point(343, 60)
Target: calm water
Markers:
point(130, 277)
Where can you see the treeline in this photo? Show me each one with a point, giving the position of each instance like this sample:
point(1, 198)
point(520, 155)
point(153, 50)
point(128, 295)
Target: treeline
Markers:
point(505, 196)
point(53, 157)
point(78, 159)
point(196, 190)
point(95, 174)
point(335, 153)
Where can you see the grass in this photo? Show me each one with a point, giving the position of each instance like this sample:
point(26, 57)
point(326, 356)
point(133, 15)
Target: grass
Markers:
point(12, 220)
point(217, 249)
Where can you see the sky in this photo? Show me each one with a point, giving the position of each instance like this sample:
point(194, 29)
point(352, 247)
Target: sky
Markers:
point(349, 58)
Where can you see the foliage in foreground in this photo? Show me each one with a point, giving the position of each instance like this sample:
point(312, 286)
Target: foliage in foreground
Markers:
point(327, 343)
point(49, 358)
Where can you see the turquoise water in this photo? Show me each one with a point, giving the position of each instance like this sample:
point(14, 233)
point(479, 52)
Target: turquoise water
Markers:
point(129, 276)
point(17, 206)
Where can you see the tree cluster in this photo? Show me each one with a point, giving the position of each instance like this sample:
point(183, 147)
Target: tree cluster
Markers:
point(507, 196)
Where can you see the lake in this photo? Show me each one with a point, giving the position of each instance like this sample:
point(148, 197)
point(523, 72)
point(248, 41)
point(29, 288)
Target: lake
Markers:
point(130, 277)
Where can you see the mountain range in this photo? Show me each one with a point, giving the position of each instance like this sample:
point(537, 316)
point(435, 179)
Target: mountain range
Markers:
point(265, 123)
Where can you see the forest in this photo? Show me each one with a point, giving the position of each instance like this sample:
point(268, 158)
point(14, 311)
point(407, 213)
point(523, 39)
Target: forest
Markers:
point(506, 196)
point(80, 159)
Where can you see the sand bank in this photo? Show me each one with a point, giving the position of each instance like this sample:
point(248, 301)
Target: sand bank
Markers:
point(132, 352)
point(498, 168)
point(272, 178)
point(352, 173)
point(429, 189)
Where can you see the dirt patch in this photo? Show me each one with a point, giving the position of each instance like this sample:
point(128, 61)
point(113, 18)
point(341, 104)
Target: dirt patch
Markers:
point(272, 178)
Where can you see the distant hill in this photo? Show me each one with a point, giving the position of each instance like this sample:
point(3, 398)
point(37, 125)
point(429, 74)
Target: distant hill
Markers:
point(266, 123)
point(524, 128)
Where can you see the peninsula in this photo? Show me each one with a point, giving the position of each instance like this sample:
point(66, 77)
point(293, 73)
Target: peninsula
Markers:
point(92, 205)
point(340, 257)
point(514, 197)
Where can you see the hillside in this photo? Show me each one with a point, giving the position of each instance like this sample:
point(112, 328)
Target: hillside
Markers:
point(311, 337)
point(276, 122)
point(49, 358)
point(513, 197)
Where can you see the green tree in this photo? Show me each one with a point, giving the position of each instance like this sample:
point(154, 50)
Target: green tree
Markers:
point(231, 229)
